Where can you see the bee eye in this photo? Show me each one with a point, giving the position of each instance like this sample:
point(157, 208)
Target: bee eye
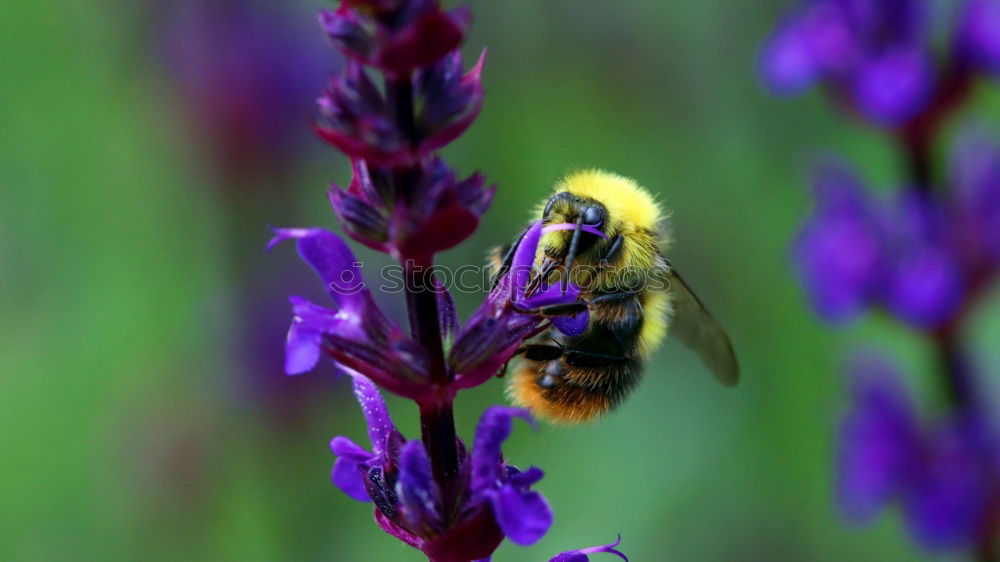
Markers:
point(593, 216)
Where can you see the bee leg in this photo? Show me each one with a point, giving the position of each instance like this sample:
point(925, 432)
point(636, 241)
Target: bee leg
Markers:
point(567, 309)
point(613, 253)
point(541, 352)
point(589, 359)
point(534, 352)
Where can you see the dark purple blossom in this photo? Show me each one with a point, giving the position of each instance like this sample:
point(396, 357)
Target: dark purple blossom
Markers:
point(360, 337)
point(417, 36)
point(872, 52)
point(495, 499)
point(446, 212)
point(583, 554)
point(943, 474)
point(358, 118)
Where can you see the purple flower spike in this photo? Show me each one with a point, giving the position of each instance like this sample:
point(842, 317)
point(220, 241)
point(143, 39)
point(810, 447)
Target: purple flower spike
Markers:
point(582, 555)
point(839, 251)
point(878, 444)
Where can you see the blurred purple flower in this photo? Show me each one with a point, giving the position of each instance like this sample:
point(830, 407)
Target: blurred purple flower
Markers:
point(873, 51)
point(975, 178)
point(583, 554)
point(839, 250)
point(943, 476)
point(879, 440)
point(494, 499)
point(978, 33)
point(853, 253)
point(244, 72)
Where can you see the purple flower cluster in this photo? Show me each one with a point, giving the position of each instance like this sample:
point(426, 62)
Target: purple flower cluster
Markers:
point(945, 473)
point(872, 52)
point(924, 255)
point(918, 256)
point(432, 493)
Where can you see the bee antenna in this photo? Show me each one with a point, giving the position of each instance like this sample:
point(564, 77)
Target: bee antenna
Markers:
point(572, 251)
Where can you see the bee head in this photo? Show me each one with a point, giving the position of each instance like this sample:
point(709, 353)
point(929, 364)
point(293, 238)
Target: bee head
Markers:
point(585, 220)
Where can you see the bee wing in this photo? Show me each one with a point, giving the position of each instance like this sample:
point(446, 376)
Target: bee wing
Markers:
point(698, 330)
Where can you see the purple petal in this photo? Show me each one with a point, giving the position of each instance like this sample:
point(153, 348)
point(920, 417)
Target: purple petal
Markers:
point(878, 444)
point(466, 103)
point(524, 479)
point(360, 220)
point(419, 496)
point(838, 253)
point(894, 86)
point(786, 63)
point(552, 294)
point(523, 261)
point(946, 506)
point(925, 289)
point(493, 429)
point(524, 516)
point(346, 475)
point(581, 554)
point(572, 326)
point(834, 44)
point(330, 257)
point(975, 173)
point(427, 39)
point(302, 347)
point(346, 32)
point(380, 426)
point(345, 448)
point(979, 32)
point(447, 312)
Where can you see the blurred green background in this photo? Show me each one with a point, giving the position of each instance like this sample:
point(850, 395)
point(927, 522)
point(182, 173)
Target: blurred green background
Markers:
point(143, 409)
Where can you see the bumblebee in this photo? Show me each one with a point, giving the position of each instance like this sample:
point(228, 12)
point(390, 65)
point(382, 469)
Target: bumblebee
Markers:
point(605, 234)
